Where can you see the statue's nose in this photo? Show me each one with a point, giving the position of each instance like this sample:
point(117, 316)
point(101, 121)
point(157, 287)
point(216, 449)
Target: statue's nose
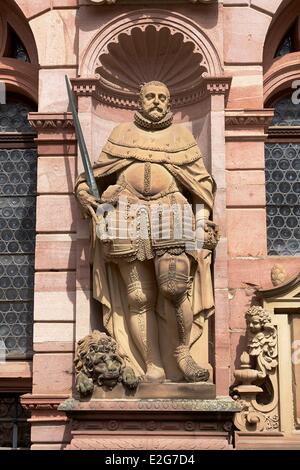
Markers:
point(111, 366)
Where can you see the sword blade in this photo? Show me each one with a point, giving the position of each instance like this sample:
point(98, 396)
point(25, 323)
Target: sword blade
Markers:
point(81, 142)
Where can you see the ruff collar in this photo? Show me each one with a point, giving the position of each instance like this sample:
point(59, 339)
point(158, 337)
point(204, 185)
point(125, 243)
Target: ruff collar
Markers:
point(145, 123)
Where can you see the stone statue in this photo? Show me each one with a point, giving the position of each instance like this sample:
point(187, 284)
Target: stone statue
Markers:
point(98, 362)
point(155, 289)
point(256, 386)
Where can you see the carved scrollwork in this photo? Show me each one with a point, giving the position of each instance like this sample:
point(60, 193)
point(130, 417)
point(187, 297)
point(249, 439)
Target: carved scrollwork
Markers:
point(256, 388)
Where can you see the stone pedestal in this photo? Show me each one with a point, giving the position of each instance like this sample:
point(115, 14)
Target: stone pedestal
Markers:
point(156, 424)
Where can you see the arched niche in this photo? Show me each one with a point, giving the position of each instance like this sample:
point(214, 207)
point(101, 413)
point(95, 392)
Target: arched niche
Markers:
point(140, 46)
point(149, 45)
point(18, 53)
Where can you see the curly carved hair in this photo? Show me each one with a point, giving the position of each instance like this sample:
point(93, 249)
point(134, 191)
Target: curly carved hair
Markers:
point(94, 342)
point(257, 311)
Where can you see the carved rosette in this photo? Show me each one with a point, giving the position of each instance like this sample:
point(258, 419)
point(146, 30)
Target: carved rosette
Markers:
point(256, 387)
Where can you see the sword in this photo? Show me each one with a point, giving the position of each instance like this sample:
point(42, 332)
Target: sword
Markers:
point(82, 146)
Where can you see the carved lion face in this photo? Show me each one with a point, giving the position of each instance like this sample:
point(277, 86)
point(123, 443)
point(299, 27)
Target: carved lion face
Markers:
point(105, 367)
point(155, 101)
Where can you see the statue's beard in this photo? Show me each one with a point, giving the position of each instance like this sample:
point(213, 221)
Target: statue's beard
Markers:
point(155, 114)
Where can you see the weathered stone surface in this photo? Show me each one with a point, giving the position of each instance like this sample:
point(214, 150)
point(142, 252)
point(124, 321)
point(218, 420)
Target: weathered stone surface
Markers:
point(173, 390)
point(55, 251)
point(245, 155)
point(52, 373)
point(56, 214)
point(56, 175)
point(251, 222)
point(54, 306)
point(246, 188)
point(247, 28)
point(55, 36)
point(53, 332)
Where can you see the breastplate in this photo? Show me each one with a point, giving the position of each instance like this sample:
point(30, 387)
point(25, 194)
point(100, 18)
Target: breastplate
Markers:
point(148, 179)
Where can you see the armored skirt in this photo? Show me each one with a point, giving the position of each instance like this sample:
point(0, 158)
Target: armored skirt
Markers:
point(143, 217)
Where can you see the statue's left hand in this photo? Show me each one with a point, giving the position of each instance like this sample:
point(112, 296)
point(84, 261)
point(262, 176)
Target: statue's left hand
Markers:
point(211, 235)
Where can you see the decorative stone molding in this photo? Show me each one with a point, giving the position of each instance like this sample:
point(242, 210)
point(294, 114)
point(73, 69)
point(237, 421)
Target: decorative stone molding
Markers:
point(279, 27)
point(51, 122)
point(93, 87)
point(150, 424)
point(218, 85)
point(161, 443)
point(159, 405)
point(281, 75)
point(284, 131)
point(244, 119)
point(257, 376)
point(20, 76)
point(161, 45)
point(42, 402)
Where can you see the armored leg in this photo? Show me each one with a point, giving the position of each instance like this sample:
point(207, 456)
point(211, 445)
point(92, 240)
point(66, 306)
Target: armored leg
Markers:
point(139, 278)
point(173, 274)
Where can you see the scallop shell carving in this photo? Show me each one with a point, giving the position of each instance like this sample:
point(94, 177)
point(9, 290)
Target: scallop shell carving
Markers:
point(144, 54)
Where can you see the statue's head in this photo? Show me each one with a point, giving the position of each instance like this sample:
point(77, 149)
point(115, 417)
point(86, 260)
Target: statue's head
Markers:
point(155, 100)
point(257, 318)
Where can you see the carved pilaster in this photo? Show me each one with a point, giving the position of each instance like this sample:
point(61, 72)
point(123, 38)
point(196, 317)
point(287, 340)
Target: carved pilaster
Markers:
point(256, 386)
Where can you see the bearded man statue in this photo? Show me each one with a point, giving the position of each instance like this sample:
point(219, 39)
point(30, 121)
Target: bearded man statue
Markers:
point(155, 290)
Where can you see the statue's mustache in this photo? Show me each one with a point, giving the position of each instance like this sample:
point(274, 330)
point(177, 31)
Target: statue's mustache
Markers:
point(156, 108)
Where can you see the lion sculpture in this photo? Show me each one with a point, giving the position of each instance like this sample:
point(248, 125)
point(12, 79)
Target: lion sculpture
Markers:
point(98, 362)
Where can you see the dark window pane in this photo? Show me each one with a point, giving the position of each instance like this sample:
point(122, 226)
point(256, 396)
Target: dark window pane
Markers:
point(283, 196)
point(286, 114)
point(14, 428)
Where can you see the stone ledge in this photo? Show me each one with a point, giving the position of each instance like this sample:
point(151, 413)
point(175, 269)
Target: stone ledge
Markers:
point(170, 390)
point(222, 405)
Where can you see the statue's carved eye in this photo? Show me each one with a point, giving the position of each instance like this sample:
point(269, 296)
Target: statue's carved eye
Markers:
point(150, 96)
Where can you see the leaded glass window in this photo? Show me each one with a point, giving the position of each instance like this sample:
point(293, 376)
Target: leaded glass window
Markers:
point(287, 45)
point(282, 171)
point(17, 230)
point(286, 113)
point(14, 46)
point(14, 428)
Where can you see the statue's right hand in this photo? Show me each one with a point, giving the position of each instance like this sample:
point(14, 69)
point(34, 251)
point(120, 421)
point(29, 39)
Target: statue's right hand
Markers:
point(88, 202)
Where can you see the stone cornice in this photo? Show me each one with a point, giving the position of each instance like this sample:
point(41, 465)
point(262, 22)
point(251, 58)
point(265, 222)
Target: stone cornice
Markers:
point(51, 121)
point(220, 405)
point(42, 402)
point(284, 131)
point(92, 87)
point(218, 85)
point(283, 289)
point(248, 118)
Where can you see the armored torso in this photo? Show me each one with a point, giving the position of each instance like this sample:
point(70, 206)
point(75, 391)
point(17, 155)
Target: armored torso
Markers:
point(148, 179)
